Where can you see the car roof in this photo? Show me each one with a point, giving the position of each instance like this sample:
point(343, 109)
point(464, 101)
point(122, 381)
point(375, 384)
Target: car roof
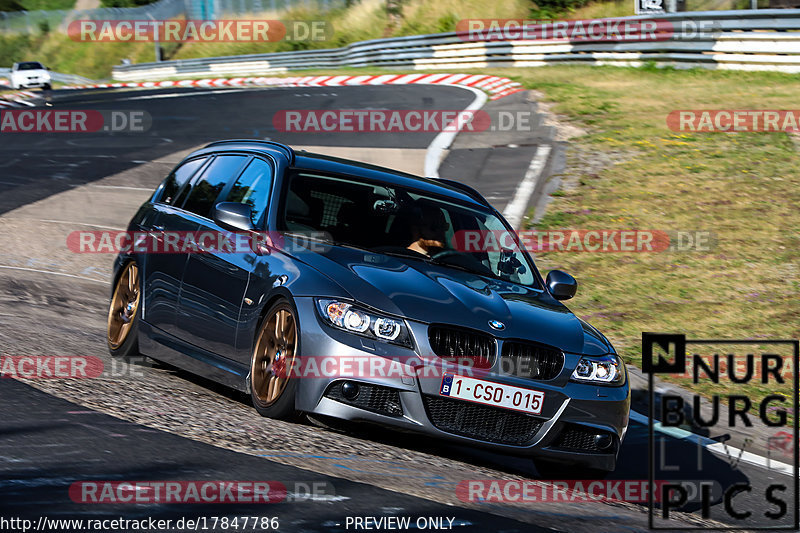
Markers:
point(304, 160)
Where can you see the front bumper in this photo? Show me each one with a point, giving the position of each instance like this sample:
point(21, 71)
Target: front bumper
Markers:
point(32, 83)
point(572, 414)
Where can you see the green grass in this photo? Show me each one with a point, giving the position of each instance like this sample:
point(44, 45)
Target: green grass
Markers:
point(35, 5)
point(743, 187)
point(363, 21)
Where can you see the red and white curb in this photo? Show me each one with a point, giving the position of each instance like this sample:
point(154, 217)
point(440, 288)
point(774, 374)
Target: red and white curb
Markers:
point(17, 99)
point(495, 86)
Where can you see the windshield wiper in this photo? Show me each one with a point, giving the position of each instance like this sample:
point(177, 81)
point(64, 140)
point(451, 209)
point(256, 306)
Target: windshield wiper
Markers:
point(458, 266)
point(410, 254)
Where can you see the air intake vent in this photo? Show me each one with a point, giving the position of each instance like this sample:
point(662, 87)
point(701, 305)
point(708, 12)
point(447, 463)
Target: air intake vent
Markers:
point(375, 398)
point(462, 346)
point(530, 360)
point(581, 438)
point(480, 422)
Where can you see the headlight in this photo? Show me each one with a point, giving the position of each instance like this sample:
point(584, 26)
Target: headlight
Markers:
point(352, 318)
point(603, 370)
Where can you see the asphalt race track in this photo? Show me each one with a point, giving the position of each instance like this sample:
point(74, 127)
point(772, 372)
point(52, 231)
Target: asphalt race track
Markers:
point(146, 421)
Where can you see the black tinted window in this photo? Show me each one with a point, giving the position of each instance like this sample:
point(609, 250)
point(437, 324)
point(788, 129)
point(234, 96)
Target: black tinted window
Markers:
point(205, 191)
point(177, 178)
point(405, 223)
point(30, 66)
point(253, 188)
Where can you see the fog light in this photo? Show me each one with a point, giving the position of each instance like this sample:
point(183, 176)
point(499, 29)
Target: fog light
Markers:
point(350, 390)
point(603, 441)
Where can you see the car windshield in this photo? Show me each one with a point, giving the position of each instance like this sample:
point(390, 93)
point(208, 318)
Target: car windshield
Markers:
point(31, 65)
point(404, 223)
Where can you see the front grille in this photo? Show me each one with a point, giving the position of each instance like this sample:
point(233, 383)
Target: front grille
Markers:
point(575, 437)
point(531, 360)
point(375, 398)
point(481, 422)
point(462, 346)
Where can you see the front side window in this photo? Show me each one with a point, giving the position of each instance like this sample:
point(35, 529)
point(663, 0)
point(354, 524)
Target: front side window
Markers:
point(207, 189)
point(253, 188)
point(404, 223)
point(177, 179)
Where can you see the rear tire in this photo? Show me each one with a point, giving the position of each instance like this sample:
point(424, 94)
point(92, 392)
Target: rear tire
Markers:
point(122, 328)
point(272, 388)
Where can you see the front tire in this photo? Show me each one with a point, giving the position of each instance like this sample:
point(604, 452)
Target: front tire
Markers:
point(48, 87)
point(122, 329)
point(272, 389)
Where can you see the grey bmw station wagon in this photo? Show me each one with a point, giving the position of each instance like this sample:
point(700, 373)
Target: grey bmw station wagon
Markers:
point(365, 294)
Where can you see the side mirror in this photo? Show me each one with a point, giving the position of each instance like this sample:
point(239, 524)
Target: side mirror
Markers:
point(561, 285)
point(233, 216)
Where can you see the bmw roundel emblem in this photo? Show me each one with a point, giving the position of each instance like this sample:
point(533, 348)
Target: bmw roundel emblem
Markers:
point(496, 324)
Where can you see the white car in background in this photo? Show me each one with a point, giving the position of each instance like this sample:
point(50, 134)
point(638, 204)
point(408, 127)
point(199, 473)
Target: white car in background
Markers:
point(30, 74)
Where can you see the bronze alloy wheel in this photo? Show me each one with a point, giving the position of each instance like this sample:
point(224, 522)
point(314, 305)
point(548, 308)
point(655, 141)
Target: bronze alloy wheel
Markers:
point(274, 356)
point(124, 305)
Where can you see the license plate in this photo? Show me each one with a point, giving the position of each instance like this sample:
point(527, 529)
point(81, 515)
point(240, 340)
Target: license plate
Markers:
point(491, 393)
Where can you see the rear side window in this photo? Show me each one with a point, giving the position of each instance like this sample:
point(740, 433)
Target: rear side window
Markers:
point(205, 191)
point(253, 188)
point(177, 179)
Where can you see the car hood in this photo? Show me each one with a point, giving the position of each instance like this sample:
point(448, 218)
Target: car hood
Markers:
point(433, 293)
point(37, 72)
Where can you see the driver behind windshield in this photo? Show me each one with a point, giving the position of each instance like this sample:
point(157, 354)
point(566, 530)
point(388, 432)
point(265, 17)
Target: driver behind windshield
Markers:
point(429, 231)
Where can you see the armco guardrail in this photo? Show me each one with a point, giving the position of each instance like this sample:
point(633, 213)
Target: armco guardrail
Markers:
point(744, 40)
point(70, 79)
